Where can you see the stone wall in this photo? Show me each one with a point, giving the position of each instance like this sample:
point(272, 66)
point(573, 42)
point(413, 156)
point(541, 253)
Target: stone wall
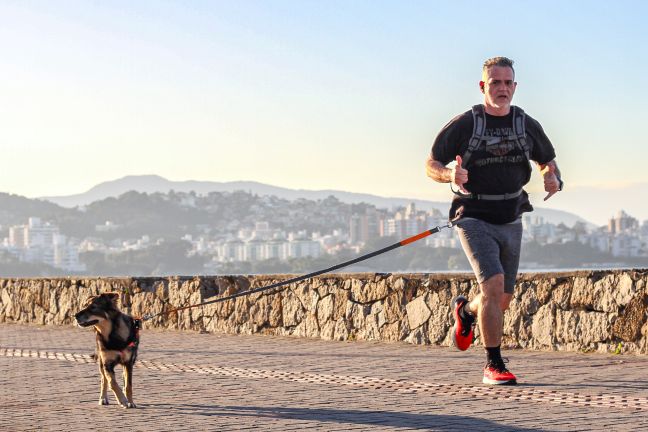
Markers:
point(602, 311)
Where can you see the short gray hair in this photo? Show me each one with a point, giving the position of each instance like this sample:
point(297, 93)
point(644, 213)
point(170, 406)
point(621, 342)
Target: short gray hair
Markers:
point(498, 61)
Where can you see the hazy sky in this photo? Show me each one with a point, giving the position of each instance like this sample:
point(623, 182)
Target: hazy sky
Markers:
point(307, 94)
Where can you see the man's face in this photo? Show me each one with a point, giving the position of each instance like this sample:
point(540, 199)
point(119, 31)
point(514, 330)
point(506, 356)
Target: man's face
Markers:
point(498, 86)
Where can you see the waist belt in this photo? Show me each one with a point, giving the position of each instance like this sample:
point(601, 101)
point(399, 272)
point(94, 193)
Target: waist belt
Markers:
point(487, 197)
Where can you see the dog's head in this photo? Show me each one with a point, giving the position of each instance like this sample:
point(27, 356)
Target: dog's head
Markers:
point(97, 309)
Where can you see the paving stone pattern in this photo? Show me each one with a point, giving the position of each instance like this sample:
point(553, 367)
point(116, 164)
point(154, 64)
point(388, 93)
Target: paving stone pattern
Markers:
point(216, 382)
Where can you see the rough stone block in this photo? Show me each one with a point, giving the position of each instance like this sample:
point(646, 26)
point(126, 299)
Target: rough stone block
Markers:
point(417, 312)
point(293, 311)
point(542, 327)
point(369, 292)
point(628, 326)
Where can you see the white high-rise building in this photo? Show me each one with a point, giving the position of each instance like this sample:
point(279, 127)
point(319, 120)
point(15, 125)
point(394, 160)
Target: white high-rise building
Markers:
point(41, 242)
point(17, 237)
point(299, 248)
point(39, 234)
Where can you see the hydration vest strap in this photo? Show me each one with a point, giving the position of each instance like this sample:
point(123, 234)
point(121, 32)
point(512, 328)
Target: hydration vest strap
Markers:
point(519, 129)
point(479, 126)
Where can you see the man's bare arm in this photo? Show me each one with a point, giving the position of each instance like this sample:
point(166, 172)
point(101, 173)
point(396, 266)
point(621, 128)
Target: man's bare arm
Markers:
point(438, 172)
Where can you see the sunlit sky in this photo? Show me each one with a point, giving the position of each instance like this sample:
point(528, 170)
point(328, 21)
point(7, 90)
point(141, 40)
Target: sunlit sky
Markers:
point(342, 95)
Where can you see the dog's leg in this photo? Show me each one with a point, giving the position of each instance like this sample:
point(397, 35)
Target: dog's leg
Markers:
point(103, 396)
point(109, 369)
point(128, 384)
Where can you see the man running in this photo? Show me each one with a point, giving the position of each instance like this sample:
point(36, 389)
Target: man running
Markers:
point(492, 145)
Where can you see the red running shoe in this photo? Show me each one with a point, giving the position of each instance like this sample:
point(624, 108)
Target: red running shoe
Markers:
point(462, 332)
point(495, 373)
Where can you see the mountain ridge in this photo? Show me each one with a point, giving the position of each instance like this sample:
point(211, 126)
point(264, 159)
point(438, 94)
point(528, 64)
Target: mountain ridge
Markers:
point(155, 183)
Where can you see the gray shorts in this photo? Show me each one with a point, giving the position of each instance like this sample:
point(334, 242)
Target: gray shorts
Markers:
point(492, 249)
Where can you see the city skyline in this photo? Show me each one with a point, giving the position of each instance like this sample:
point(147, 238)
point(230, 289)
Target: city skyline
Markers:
point(345, 96)
point(210, 248)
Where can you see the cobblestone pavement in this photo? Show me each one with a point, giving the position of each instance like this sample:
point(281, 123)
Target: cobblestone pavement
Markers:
point(187, 381)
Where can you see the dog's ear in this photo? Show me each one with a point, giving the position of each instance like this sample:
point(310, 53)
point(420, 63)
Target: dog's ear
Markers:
point(89, 301)
point(111, 296)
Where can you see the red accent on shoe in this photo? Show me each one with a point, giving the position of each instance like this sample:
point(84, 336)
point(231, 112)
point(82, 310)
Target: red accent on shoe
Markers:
point(498, 375)
point(462, 332)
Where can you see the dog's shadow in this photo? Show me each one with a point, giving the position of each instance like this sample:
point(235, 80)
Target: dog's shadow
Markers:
point(439, 422)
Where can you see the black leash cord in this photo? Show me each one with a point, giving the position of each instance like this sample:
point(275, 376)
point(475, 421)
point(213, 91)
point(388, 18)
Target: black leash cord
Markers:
point(315, 273)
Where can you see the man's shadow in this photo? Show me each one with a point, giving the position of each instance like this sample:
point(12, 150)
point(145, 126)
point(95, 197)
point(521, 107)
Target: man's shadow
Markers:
point(396, 419)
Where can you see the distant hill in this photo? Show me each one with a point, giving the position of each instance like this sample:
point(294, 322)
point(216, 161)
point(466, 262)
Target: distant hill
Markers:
point(154, 183)
point(15, 209)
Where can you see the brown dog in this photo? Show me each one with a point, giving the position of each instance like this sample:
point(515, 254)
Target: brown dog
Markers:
point(117, 342)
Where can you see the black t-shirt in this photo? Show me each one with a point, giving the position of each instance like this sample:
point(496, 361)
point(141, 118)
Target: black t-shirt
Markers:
point(493, 169)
